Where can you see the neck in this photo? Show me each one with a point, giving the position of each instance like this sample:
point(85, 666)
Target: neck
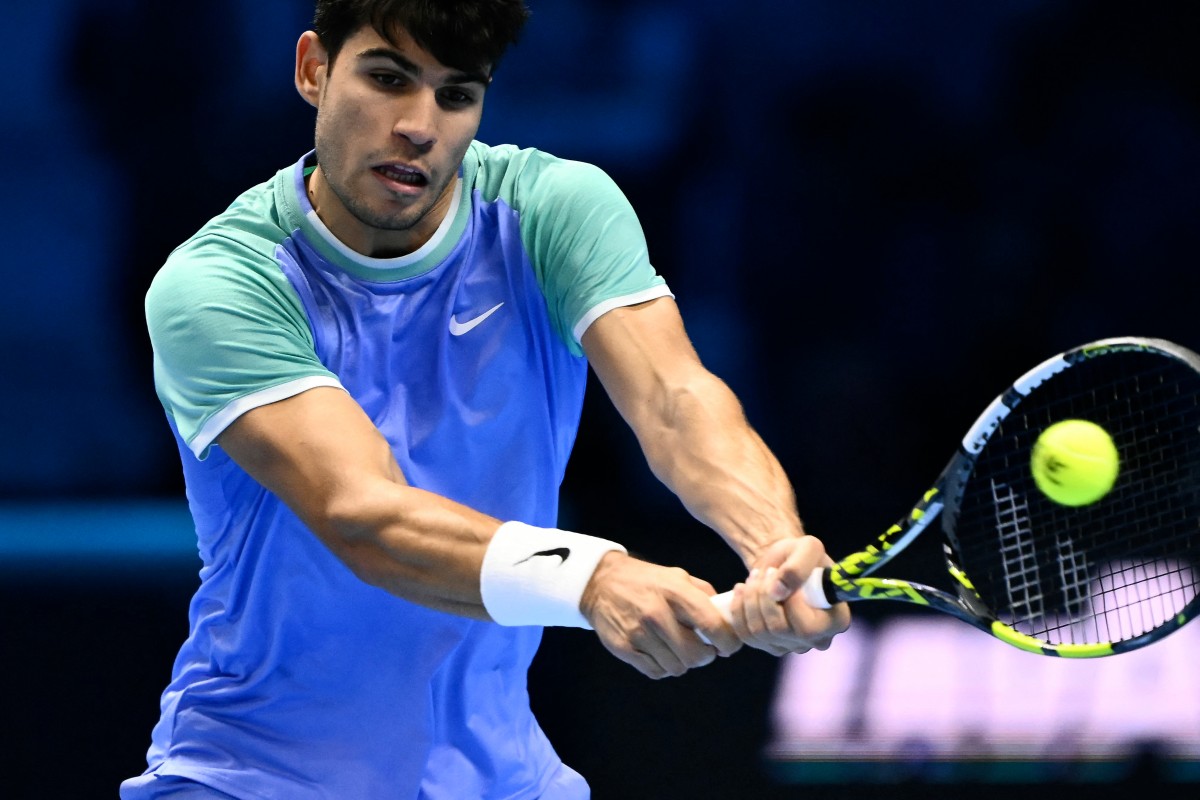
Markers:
point(371, 240)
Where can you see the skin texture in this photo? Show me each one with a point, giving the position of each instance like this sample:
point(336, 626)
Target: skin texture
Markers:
point(383, 105)
point(393, 125)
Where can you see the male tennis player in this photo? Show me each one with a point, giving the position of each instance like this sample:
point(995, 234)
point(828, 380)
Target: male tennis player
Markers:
point(374, 365)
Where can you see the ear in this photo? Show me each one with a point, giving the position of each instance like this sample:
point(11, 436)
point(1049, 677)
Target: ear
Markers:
point(312, 67)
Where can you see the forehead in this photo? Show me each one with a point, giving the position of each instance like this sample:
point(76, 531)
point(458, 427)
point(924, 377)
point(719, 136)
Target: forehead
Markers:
point(366, 41)
point(400, 45)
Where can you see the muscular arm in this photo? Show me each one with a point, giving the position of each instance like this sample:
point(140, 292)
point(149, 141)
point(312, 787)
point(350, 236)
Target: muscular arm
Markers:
point(321, 455)
point(691, 427)
point(324, 458)
point(699, 443)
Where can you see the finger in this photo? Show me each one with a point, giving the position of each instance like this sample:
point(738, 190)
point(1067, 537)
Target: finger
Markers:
point(699, 632)
point(737, 612)
point(756, 626)
point(816, 627)
point(647, 665)
point(639, 645)
point(673, 647)
point(806, 555)
point(767, 626)
point(747, 616)
point(774, 617)
point(640, 661)
point(713, 628)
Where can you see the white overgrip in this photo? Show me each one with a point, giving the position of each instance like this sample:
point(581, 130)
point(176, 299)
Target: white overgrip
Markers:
point(814, 589)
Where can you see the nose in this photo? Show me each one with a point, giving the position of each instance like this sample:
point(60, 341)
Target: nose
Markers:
point(418, 120)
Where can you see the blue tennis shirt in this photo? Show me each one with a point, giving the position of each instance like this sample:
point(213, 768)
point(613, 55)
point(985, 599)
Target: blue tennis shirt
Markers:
point(298, 680)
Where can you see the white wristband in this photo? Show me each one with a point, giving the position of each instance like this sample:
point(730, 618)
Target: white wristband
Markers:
point(536, 576)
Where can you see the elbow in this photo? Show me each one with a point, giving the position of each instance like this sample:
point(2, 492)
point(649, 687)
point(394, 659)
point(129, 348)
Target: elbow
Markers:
point(702, 401)
point(348, 527)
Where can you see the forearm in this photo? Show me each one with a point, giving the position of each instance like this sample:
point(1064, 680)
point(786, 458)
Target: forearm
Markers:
point(691, 427)
point(699, 443)
point(409, 542)
point(320, 455)
point(438, 553)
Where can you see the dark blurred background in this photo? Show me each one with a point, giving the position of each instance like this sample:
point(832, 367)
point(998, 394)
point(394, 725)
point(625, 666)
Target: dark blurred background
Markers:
point(874, 215)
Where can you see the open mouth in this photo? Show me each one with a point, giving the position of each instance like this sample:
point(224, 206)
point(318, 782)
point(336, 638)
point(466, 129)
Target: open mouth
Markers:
point(402, 175)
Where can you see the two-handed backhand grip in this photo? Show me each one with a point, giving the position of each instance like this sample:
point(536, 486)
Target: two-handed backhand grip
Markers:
point(813, 591)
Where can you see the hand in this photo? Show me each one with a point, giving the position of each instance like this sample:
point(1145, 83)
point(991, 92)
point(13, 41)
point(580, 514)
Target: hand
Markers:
point(770, 615)
point(648, 616)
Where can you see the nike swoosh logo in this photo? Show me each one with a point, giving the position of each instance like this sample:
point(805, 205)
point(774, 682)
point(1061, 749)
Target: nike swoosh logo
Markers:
point(562, 552)
point(459, 328)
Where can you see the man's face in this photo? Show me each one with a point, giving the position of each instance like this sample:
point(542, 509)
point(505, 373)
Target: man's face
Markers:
point(393, 125)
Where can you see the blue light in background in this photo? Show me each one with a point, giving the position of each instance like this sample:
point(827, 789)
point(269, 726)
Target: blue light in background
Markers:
point(93, 537)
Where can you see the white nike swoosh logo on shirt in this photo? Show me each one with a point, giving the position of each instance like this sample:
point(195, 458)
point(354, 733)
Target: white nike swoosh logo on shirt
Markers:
point(459, 328)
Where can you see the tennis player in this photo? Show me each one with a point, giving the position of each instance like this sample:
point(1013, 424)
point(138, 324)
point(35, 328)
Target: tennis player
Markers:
point(374, 365)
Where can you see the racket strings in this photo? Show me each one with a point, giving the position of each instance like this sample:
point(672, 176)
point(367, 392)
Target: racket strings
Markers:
point(1118, 568)
point(1133, 598)
point(1018, 556)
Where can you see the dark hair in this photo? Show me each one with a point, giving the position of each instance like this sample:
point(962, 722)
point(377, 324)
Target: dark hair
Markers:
point(469, 35)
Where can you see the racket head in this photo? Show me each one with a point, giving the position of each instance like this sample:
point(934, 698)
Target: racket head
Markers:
point(1083, 581)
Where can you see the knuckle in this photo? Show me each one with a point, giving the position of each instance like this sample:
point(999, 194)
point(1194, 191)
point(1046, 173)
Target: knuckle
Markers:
point(814, 544)
point(640, 633)
point(647, 666)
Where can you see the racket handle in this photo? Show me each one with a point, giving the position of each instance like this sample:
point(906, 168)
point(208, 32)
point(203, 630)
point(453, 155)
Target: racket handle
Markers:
point(722, 602)
point(813, 591)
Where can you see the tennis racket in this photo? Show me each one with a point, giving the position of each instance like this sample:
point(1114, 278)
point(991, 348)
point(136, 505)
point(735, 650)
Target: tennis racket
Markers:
point(1076, 582)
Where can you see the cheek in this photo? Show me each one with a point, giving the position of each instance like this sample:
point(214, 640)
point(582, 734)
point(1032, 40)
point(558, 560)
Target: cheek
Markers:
point(461, 135)
point(338, 121)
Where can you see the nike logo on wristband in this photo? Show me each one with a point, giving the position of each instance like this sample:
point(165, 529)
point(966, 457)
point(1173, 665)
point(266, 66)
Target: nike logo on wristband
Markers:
point(459, 328)
point(562, 552)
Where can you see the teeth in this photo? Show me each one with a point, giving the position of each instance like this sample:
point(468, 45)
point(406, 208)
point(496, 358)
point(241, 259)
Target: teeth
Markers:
point(402, 176)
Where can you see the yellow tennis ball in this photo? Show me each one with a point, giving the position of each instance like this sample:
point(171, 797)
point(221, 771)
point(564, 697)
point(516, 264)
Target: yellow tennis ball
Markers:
point(1075, 462)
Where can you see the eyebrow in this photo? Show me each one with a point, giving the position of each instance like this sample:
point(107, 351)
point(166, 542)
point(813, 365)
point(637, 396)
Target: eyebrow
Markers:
point(408, 66)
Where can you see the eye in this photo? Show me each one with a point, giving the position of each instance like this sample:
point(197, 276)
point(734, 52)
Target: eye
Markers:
point(389, 80)
point(453, 97)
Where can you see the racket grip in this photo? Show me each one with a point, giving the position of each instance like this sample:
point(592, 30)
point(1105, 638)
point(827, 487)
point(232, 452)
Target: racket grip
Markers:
point(814, 589)
point(722, 602)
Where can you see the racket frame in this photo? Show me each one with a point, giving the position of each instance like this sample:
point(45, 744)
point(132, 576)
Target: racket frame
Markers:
point(851, 579)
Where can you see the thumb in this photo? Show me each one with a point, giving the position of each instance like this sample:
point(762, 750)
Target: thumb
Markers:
point(807, 554)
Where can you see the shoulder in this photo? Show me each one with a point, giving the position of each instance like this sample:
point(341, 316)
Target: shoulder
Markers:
point(527, 177)
point(234, 254)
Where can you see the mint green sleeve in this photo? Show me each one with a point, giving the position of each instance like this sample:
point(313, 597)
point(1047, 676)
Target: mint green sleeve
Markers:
point(585, 243)
point(229, 334)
